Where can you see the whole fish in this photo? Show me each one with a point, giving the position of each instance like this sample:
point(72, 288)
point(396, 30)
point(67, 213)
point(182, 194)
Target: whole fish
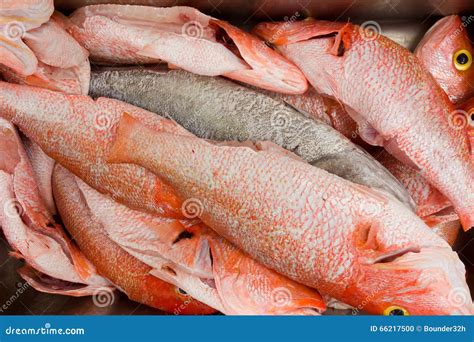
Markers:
point(31, 231)
point(386, 89)
point(217, 109)
point(76, 131)
point(126, 272)
point(191, 256)
point(446, 52)
point(185, 38)
point(348, 241)
point(17, 18)
point(63, 64)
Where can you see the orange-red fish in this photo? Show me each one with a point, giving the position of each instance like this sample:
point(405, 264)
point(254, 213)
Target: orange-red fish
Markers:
point(17, 17)
point(126, 272)
point(31, 232)
point(446, 52)
point(77, 131)
point(192, 257)
point(346, 240)
point(63, 64)
point(395, 101)
point(184, 38)
point(434, 208)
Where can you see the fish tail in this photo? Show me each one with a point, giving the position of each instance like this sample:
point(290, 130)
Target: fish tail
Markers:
point(122, 148)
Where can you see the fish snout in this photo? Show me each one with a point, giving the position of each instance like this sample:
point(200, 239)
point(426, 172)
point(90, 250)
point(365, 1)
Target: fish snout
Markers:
point(425, 281)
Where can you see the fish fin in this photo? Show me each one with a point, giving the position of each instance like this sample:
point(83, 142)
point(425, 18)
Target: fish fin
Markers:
point(284, 33)
point(119, 152)
point(342, 41)
point(46, 284)
point(270, 70)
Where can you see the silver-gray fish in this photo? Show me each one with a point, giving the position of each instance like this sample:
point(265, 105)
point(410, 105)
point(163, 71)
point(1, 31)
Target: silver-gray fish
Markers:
point(218, 109)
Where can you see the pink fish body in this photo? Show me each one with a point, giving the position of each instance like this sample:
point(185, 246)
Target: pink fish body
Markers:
point(431, 205)
point(77, 131)
point(30, 229)
point(180, 253)
point(389, 93)
point(184, 38)
point(63, 64)
point(314, 227)
point(16, 18)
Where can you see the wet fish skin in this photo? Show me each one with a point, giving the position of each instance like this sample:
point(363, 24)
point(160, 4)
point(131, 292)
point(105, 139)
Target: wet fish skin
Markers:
point(435, 209)
point(76, 131)
point(126, 272)
point(304, 222)
point(465, 121)
point(185, 38)
point(203, 264)
point(17, 18)
point(63, 64)
point(31, 231)
point(218, 109)
point(402, 108)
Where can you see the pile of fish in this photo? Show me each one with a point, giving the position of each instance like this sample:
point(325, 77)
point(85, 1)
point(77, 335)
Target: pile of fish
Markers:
point(200, 168)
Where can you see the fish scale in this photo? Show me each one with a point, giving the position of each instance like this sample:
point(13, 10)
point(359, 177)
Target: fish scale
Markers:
point(401, 101)
point(67, 130)
point(218, 109)
point(276, 237)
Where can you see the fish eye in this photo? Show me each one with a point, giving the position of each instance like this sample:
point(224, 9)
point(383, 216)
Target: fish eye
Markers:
point(181, 291)
point(395, 311)
point(462, 60)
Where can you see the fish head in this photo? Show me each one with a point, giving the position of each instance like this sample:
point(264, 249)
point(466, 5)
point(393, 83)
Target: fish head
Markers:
point(404, 268)
point(447, 53)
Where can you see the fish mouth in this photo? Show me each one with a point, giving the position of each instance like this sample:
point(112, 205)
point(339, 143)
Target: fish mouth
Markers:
point(438, 269)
